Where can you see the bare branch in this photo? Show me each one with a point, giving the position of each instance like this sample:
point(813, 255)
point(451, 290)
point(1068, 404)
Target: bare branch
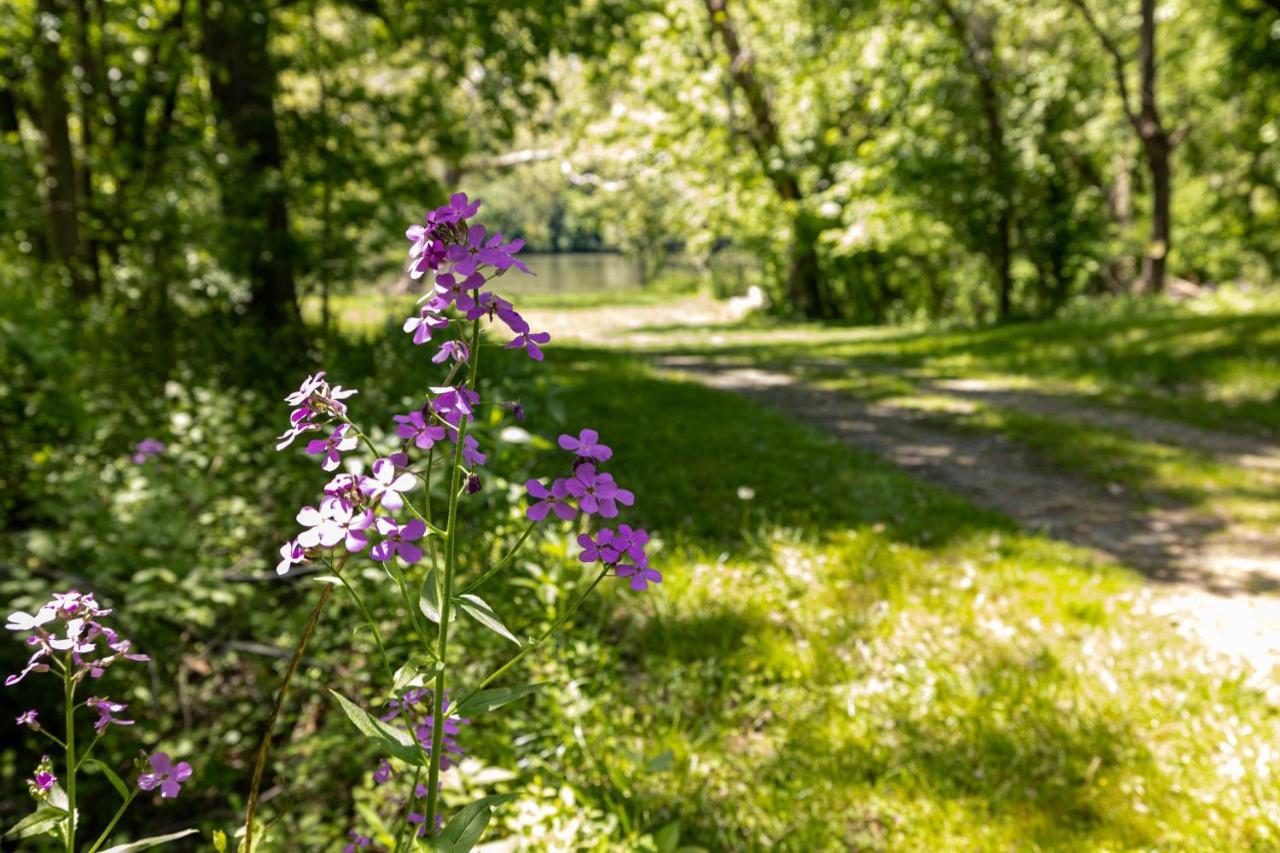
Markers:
point(1119, 63)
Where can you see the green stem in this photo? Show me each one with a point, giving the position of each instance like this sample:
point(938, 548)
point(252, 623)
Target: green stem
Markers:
point(69, 697)
point(403, 836)
point(85, 754)
point(265, 747)
point(498, 566)
point(534, 643)
point(446, 599)
point(112, 825)
point(368, 618)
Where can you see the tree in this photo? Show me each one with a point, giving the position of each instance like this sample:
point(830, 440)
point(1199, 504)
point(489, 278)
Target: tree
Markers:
point(254, 193)
point(1157, 141)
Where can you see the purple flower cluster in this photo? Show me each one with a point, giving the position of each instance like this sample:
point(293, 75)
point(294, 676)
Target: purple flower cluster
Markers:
point(457, 254)
point(147, 448)
point(406, 708)
point(70, 624)
point(315, 403)
point(593, 492)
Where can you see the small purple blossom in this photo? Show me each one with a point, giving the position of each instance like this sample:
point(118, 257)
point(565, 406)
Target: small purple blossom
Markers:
point(546, 501)
point(413, 427)
point(529, 341)
point(602, 549)
point(455, 350)
point(336, 524)
point(427, 321)
point(398, 540)
point(29, 719)
point(460, 293)
point(43, 780)
point(332, 447)
point(641, 575)
point(70, 622)
point(106, 713)
point(385, 485)
point(147, 448)
point(382, 775)
point(358, 842)
point(596, 493)
point(587, 445)
point(291, 554)
point(165, 775)
point(471, 454)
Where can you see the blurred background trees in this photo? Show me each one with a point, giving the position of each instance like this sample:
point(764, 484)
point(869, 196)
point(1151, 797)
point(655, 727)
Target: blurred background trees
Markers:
point(968, 159)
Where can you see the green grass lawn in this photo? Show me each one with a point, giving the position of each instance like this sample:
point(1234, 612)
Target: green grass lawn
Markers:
point(852, 659)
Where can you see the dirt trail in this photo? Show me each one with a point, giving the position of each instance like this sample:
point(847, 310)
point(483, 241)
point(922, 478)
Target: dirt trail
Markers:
point(1213, 576)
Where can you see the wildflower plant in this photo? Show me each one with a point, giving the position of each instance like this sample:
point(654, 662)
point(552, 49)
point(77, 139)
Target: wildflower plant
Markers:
point(70, 638)
point(387, 515)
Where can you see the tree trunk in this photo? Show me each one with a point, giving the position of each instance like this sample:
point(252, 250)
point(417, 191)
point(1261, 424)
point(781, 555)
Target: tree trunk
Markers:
point(805, 285)
point(59, 161)
point(1153, 259)
point(254, 201)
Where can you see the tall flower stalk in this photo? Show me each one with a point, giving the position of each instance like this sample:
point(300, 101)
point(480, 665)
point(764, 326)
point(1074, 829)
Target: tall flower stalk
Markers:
point(380, 514)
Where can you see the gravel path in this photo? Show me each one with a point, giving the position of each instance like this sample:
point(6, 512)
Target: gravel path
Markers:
point(1216, 581)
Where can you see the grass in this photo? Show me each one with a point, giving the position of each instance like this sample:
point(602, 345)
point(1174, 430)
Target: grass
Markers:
point(854, 660)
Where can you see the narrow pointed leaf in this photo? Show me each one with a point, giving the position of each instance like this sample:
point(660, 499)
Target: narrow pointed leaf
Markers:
point(462, 833)
point(488, 700)
point(393, 740)
point(38, 822)
point(478, 609)
point(153, 841)
point(114, 778)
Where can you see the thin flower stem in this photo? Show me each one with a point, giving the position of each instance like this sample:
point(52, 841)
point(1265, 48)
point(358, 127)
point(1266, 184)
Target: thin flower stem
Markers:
point(85, 754)
point(265, 747)
point(534, 643)
point(446, 599)
point(59, 741)
point(69, 698)
point(498, 566)
point(114, 820)
point(402, 837)
point(368, 618)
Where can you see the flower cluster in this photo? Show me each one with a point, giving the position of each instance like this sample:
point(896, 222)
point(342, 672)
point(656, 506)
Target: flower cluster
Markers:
point(147, 448)
point(70, 624)
point(314, 403)
point(592, 492)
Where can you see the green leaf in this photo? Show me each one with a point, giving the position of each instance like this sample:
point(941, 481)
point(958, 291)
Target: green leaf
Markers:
point(489, 700)
point(40, 821)
point(153, 841)
point(468, 825)
point(429, 599)
point(667, 839)
point(478, 609)
point(408, 675)
point(114, 778)
point(395, 741)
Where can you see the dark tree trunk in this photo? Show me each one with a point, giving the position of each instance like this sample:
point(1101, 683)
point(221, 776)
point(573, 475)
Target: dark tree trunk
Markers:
point(59, 161)
point(977, 39)
point(806, 288)
point(1157, 146)
point(254, 201)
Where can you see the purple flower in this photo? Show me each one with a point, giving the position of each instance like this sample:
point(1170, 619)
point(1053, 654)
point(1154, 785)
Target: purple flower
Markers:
point(19, 621)
point(28, 719)
point(147, 448)
point(427, 321)
point(471, 452)
point(459, 293)
point(601, 549)
point(587, 445)
point(398, 539)
point(545, 502)
point(337, 443)
point(456, 350)
point(596, 493)
point(502, 255)
point(168, 776)
point(473, 484)
point(70, 622)
point(385, 486)
point(466, 256)
point(529, 341)
point(383, 774)
point(631, 542)
point(291, 553)
point(326, 529)
point(458, 209)
point(414, 427)
point(358, 841)
point(313, 399)
point(106, 710)
point(641, 575)
point(451, 403)
point(343, 491)
point(43, 780)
